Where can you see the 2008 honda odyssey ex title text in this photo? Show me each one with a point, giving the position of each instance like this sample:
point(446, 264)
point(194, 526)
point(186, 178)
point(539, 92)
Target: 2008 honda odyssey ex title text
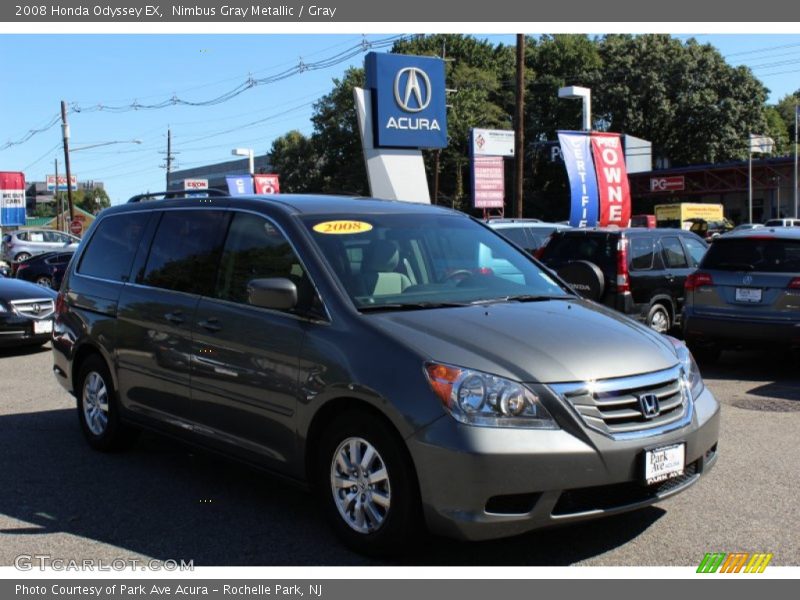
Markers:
point(412, 366)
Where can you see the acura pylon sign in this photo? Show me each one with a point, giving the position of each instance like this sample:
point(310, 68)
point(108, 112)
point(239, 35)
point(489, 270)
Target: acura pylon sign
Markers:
point(408, 94)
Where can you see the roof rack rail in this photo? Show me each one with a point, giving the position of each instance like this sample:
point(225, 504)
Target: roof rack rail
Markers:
point(177, 194)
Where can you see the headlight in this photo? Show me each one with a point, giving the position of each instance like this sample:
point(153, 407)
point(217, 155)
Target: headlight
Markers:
point(3, 308)
point(692, 373)
point(477, 398)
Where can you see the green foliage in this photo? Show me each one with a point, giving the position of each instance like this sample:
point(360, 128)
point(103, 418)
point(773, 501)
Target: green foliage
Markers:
point(293, 157)
point(786, 109)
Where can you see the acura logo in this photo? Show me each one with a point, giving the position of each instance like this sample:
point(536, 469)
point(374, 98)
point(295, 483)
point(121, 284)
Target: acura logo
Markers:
point(648, 404)
point(415, 95)
point(36, 309)
point(747, 279)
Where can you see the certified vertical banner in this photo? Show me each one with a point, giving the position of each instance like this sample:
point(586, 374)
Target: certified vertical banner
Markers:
point(240, 185)
point(12, 198)
point(582, 183)
point(612, 179)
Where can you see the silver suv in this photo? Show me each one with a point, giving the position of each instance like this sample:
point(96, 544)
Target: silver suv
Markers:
point(21, 245)
point(782, 223)
point(745, 290)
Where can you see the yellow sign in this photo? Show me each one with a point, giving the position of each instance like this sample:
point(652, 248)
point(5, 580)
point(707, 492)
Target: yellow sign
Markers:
point(342, 227)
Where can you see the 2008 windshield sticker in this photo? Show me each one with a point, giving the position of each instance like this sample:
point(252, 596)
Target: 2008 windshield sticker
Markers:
point(342, 227)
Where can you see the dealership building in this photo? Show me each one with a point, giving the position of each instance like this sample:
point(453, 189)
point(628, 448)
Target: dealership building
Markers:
point(722, 183)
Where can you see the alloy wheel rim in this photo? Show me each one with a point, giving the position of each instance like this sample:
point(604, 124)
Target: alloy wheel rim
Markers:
point(95, 403)
point(43, 281)
point(360, 485)
point(659, 322)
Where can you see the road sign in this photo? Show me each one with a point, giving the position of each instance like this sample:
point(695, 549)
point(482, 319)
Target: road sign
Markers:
point(76, 227)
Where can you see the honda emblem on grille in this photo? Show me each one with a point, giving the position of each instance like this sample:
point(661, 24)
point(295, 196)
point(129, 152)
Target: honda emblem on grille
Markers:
point(648, 404)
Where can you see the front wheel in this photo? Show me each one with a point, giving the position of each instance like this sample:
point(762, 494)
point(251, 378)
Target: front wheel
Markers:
point(658, 318)
point(367, 485)
point(22, 256)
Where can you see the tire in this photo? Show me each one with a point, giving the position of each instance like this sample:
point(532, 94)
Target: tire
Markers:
point(392, 517)
point(585, 278)
point(21, 256)
point(44, 281)
point(98, 408)
point(658, 318)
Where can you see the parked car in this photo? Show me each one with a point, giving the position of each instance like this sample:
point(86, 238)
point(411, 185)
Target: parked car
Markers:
point(639, 272)
point(371, 350)
point(26, 313)
point(45, 269)
point(747, 226)
point(709, 230)
point(529, 234)
point(20, 245)
point(782, 223)
point(745, 291)
point(647, 221)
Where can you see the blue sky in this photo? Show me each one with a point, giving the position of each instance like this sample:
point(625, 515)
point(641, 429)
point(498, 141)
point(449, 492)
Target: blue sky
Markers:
point(123, 69)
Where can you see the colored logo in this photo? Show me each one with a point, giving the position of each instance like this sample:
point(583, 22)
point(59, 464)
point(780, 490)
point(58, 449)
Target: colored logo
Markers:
point(736, 562)
point(648, 404)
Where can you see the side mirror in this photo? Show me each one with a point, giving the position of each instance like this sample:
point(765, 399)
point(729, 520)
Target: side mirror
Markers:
point(277, 293)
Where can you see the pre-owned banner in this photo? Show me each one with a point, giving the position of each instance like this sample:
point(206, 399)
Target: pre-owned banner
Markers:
point(582, 182)
point(12, 198)
point(267, 184)
point(240, 185)
point(612, 179)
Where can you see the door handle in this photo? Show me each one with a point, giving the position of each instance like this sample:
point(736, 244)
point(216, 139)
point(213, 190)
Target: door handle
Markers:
point(175, 317)
point(210, 324)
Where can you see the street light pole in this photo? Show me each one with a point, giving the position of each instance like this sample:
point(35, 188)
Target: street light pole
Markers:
point(575, 92)
point(248, 152)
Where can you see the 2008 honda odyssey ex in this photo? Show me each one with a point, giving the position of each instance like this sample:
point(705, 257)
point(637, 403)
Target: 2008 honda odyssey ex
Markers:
point(412, 366)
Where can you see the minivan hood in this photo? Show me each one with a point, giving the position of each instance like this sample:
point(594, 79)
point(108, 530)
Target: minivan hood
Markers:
point(546, 341)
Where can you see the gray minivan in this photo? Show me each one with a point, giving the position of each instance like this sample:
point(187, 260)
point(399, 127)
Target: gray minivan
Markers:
point(407, 363)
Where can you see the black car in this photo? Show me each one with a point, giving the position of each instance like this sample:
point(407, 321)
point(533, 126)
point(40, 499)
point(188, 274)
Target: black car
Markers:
point(26, 313)
point(637, 271)
point(44, 269)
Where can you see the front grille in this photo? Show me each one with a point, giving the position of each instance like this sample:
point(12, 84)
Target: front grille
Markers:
point(613, 407)
point(618, 495)
point(38, 308)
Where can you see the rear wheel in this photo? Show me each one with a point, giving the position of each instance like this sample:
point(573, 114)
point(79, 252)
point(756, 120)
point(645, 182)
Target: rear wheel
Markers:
point(367, 485)
point(44, 281)
point(22, 256)
point(658, 318)
point(98, 409)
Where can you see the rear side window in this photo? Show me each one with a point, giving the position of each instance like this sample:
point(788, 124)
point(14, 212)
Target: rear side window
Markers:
point(516, 235)
point(112, 247)
point(696, 249)
point(764, 255)
point(186, 250)
point(673, 253)
point(642, 251)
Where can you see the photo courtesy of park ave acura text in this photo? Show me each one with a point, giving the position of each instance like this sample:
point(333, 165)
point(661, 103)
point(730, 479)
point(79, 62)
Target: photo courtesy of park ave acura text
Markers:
point(397, 299)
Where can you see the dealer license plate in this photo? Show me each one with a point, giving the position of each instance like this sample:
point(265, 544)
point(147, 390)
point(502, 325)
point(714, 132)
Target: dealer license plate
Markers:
point(748, 295)
point(664, 463)
point(43, 326)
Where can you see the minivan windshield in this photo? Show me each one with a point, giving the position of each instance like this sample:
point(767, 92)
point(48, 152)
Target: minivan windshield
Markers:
point(412, 261)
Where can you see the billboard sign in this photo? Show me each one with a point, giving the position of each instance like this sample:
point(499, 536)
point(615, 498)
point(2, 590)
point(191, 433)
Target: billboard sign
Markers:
point(612, 179)
point(488, 182)
point(492, 142)
point(408, 94)
point(267, 184)
point(12, 198)
point(674, 183)
point(240, 185)
point(577, 155)
point(62, 183)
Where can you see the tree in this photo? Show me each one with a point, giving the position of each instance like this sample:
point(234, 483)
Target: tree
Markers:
point(293, 158)
point(786, 109)
point(92, 200)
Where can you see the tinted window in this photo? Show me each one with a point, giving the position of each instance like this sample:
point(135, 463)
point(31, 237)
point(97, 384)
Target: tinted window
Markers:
point(641, 251)
point(23, 236)
point(516, 235)
point(765, 255)
point(599, 248)
point(673, 253)
point(254, 249)
point(113, 246)
point(186, 250)
point(696, 250)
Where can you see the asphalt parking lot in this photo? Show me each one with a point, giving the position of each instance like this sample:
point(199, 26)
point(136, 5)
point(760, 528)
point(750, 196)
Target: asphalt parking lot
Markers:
point(165, 500)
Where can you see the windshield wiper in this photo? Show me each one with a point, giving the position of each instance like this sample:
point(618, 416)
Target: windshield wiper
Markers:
point(738, 266)
point(522, 298)
point(411, 306)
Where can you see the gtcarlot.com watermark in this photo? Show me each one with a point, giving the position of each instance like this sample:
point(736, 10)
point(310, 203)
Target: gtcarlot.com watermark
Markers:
point(42, 562)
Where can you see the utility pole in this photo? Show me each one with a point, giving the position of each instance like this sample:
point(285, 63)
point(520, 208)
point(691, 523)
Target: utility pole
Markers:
point(57, 202)
point(65, 134)
point(519, 162)
point(795, 158)
point(169, 156)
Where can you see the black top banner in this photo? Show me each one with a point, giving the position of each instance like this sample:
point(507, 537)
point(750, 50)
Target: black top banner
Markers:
point(417, 11)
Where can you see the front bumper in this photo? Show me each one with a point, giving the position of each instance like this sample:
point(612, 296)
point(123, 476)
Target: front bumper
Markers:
point(481, 483)
point(18, 331)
